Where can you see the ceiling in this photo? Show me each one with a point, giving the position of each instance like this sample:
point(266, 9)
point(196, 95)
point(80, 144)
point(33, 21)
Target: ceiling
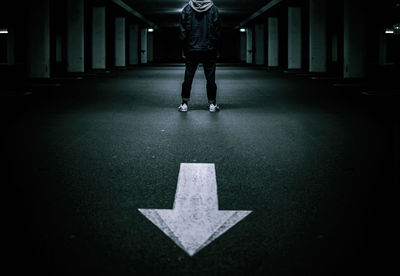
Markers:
point(165, 13)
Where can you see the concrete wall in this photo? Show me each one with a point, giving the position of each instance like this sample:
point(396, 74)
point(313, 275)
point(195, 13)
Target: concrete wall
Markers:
point(11, 46)
point(318, 36)
point(99, 38)
point(294, 38)
point(120, 42)
point(249, 45)
point(273, 42)
point(243, 47)
point(59, 48)
point(334, 48)
point(75, 36)
point(354, 39)
point(39, 40)
point(259, 33)
point(150, 46)
point(382, 47)
point(133, 44)
point(143, 48)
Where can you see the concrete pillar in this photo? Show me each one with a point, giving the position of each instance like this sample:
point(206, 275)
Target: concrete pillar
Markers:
point(39, 39)
point(59, 46)
point(354, 39)
point(249, 45)
point(10, 46)
point(120, 42)
point(273, 42)
point(150, 47)
point(318, 36)
point(75, 36)
point(294, 38)
point(143, 48)
point(133, 44)
point(243, 46)
point(99, 38)
point(334, 48)
point(260, 44)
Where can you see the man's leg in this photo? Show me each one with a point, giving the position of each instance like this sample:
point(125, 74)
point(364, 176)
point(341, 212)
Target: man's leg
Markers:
point(209, 71)
point(190, 70)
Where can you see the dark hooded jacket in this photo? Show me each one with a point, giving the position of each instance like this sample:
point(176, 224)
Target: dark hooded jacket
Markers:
point(200, 31)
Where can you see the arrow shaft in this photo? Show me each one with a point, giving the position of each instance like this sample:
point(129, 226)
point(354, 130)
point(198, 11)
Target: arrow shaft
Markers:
point(197, 188)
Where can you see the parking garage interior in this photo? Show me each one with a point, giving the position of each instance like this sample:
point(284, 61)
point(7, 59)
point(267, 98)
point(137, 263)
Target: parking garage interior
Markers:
point(307, 137)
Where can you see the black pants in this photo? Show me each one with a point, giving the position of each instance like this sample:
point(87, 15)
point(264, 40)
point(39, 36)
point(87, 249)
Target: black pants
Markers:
point(209, 60)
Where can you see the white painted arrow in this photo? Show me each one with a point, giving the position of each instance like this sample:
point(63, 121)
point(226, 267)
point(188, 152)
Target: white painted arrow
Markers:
point(195, 221)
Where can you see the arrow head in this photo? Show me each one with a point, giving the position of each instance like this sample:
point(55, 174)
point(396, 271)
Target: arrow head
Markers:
point(193, 231)
point(195, 220)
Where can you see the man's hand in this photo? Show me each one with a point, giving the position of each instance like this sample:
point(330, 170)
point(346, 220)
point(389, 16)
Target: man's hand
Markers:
point(217, 54)
point(183, 54)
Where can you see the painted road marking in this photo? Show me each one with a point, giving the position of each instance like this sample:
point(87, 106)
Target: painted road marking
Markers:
point(195, 220)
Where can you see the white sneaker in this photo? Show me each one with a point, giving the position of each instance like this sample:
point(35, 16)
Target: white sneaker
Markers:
point(214, 108)
point(183, 108)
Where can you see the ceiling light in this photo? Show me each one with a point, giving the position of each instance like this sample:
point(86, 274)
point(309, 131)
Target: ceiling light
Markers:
point(242, 30)
point(3, 31)
point(396, 29)
point(151, 30)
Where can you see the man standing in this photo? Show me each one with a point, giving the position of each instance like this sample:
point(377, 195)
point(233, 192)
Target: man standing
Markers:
point(200, 35)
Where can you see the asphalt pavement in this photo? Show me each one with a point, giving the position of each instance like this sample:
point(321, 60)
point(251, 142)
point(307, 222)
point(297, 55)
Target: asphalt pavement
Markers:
point(313, 162)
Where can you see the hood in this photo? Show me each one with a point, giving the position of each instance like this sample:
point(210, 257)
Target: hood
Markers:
point(201, 5)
